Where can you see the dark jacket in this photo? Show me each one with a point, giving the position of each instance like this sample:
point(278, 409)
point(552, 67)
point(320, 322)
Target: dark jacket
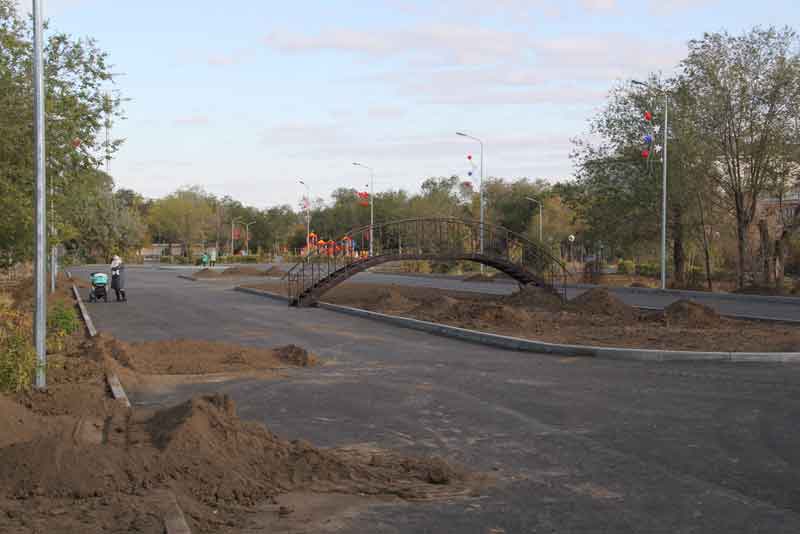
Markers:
point(118, 277)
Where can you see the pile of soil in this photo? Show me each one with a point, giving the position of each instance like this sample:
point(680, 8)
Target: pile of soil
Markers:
point(206, 273)
point(691, 314)
point(294, 355)
point(599, 301)
point(243, 270)
point(196, 357)
point(202, 451)
point(534, 298)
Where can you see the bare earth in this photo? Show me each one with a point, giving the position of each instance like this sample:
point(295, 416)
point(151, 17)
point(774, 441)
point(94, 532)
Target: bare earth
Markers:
point(594, 318)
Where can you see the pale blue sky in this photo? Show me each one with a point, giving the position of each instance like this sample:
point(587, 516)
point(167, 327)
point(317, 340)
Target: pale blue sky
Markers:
point(244, 97)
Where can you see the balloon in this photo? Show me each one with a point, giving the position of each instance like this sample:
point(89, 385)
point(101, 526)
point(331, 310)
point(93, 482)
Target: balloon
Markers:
point(645, 153)
point(648, 116)
point(648, 139)
point(469, 156)
point(76, 143)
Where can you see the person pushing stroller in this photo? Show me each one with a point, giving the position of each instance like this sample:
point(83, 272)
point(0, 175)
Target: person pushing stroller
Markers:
point(118, 278)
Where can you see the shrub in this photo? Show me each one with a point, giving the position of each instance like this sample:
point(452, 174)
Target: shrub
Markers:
point(17, 355)
point(62, 321)
point(626, 267)
point(649, 269)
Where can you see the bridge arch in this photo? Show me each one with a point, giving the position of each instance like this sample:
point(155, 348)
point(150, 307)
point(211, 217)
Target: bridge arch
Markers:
point(428, 238)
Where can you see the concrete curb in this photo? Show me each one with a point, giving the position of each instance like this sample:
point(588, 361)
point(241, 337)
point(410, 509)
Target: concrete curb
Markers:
point(174, 520)
point(87, 319)
point(111, 378)
point(527, 345)
point(187, 277)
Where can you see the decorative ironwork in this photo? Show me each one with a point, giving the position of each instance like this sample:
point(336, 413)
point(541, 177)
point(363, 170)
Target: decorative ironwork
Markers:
point(439, 239)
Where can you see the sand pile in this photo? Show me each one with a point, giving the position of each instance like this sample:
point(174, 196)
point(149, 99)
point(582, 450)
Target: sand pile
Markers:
point(599, 301)
point(194, 357)
point(243, 270)
point(294, 355)
point(534, 298)
point(691, 314)
point(200, 448)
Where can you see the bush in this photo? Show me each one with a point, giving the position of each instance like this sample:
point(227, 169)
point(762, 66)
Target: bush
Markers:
point(62, 322)
point(17, 354)
point(626, 267)
point(237, 259)
point(649, 269)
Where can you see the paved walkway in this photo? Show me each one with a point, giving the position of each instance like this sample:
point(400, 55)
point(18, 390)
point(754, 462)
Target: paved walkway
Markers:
point(579, 445)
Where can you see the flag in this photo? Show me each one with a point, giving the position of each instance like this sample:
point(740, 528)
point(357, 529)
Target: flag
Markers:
point(363, 194)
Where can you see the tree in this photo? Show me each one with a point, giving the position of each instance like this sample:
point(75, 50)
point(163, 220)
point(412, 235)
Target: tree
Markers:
point(185, 216)
point(747, 92)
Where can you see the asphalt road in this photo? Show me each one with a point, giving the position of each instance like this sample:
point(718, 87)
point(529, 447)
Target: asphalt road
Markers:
point(786, 309)
point(580, 445)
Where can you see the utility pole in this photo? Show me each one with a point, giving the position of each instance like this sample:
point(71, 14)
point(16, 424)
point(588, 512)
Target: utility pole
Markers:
point(371, 204)
point(247, 236)
point(40, 319)
point(462, 134)
point(663, 182)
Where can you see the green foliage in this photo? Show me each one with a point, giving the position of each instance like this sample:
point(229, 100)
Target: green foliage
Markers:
point(650, 270)
point(62, 319)
point(17, 355)
point(626, 267)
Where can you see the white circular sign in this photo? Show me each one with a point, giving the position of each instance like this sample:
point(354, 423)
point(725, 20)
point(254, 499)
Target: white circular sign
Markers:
point(571, 238)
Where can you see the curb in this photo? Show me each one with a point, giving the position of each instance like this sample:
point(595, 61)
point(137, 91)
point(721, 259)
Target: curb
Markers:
point(174, 520)
point(84, 312)
point(527, 345)
point(111, 378)
point(187, 277)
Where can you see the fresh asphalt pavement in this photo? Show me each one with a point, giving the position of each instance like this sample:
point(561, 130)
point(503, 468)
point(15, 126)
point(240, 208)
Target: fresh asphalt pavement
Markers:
point(578, 445)
point(783, 309)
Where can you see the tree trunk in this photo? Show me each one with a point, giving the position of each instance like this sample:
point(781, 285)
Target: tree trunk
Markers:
point(706, 247)
point(741, 238)
point(678, 253)
point(766, 255)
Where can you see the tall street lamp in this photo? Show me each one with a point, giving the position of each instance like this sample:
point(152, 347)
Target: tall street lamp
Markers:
point(40, 318)
point(371, 202)
point(462, 134)
point(308, 216)
point(663, 184)
point(541, 218)
point(247, 236)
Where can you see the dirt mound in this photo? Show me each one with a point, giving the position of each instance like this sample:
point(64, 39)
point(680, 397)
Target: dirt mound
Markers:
point(203, 449)
point(690, 313)
point(294, 355)
point(599, 301)
point(534, 298)
point(243, 270)
point(206, 273)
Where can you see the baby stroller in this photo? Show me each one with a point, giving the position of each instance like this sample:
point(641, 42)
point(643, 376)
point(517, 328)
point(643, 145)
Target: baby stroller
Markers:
point(99, 287)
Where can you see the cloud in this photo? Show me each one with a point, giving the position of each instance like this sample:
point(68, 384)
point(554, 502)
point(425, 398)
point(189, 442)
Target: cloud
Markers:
point(192, 120)
point(385, 112)
point(671, 7)
point(444, 43)
point(599, 5)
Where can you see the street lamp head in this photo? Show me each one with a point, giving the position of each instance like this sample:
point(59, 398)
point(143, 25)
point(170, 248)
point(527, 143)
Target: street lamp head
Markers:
point(462, 134)
point(637, 82)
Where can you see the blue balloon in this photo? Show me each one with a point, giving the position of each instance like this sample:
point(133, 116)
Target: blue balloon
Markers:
point(648, 139)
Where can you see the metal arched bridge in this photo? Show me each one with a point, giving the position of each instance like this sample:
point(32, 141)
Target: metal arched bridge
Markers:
point(439, 239)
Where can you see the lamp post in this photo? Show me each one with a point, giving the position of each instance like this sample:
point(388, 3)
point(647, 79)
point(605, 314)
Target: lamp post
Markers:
point(462, 134)
point(308, 217)
point(371, 202)
point(541, 218)
point(40, 319)
point(663, 183)
point(233, 225)
point(247, 236)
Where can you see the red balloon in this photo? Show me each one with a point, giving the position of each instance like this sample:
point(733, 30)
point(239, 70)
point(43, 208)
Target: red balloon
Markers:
point(469, 156)
point(76, 143)
point(648, 116)
point(645, 154)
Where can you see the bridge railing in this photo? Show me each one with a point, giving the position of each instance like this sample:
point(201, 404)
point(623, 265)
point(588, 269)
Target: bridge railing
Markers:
point(430, 238)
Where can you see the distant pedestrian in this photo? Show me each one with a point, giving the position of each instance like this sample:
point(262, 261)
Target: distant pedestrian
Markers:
point(204, 259)
point(213, 258)
point(118, 278)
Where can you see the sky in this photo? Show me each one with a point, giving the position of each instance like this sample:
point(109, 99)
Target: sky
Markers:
point(244, 98)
